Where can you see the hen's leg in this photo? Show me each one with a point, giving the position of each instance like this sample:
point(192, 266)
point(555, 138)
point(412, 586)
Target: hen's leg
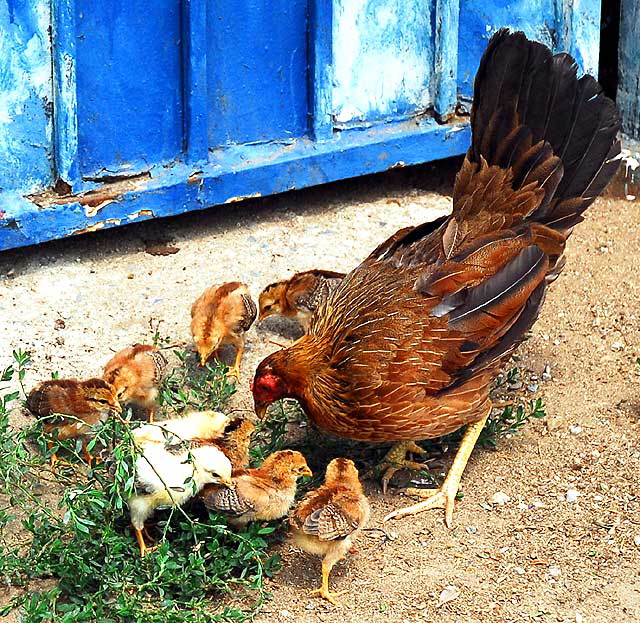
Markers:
point(396, 459)
point(445, 496)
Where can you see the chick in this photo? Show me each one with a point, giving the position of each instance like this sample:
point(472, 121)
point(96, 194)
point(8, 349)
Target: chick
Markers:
point(223, 313)
point(236, 442)
point(87, 403)
point(264, 493)
point(299, 296)
point(329, 518)
point(177, 458)
point(135, 373)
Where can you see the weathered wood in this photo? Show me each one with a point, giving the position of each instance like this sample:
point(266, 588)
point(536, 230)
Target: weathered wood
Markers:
point(628, 99)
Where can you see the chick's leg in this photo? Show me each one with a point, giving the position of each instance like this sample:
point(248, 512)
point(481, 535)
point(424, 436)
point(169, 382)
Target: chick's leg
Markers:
point(323, 591)
point(144, 548)
point(395, 460)
point(235, 369)
point(445, 496)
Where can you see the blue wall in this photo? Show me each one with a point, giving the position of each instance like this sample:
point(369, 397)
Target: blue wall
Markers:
point(156, 107)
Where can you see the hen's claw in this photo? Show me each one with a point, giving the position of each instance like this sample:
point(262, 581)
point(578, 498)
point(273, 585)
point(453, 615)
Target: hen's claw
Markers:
point(395, 460)
point(445, 496)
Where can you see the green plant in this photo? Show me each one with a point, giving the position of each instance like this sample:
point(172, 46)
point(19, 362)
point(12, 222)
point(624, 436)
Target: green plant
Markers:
point(509, 422)
point(65, 540)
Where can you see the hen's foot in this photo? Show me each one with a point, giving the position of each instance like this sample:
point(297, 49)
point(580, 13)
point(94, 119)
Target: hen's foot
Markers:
point(445, 496)
point(395, 460)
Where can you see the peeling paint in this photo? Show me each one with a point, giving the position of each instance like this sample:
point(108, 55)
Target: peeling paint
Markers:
point(141, 213)
point(382, 55)
point(26, 159)
point(242, 198)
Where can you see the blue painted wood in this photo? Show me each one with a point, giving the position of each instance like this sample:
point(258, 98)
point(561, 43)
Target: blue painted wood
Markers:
point(564, 25)
point(223, 99)
point(237, 172)
point(257, 70)
point(383, 59)
point(129, 77)
point(26, 158)
point(65, 120)
point(321, 68)
point(447, 14)
point(628, 99)
point(194, 58)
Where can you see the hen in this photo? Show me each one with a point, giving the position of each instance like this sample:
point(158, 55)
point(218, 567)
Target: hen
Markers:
point(329, 518)
point(299, 296)
point(408, 345)
point(135, 373)
point(223, 313)
point(262, 493)
point(72, 408)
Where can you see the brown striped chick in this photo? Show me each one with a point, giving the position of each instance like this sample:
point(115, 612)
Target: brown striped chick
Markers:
point(299, 296)
point(135, 373)
point(329, 518)
point(85, 403)
point(222, 314)
point(263, 493)
point(237, 441)
point(177, 458)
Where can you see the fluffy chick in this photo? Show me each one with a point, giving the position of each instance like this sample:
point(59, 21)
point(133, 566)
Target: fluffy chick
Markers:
point(86, 403)
point(135, 373)
point(263, 493)
point(298, 296)
point(329, 518)
point(222, 314)
point(177, 458)
point(237, 440)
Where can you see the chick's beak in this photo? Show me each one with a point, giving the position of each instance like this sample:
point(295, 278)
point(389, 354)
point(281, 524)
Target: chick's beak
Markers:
point(306, 472)
point(117, 407)
point(227, 482)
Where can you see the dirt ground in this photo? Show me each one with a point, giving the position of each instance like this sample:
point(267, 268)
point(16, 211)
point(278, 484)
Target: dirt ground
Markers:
point(538, 557)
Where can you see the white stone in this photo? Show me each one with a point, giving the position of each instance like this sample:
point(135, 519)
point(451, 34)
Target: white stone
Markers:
point(572, 496)
point(500, 498)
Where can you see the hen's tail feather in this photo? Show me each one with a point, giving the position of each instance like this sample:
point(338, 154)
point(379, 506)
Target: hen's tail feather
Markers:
point(533, 114)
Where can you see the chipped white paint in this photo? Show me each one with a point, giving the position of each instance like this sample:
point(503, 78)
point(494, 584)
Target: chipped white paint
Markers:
point(382, 58)
point(25, 88)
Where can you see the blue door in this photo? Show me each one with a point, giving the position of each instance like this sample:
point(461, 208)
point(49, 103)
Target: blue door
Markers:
point(114, 111)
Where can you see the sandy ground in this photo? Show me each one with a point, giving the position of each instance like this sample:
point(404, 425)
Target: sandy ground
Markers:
point(536, 558)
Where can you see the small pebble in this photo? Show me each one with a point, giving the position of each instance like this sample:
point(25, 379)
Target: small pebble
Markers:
point(471, 529)
point(546, 375)
point(285, 613)
point(499, 498)
point(515, 386)
point(554, 571)
point(448, 594)
point(579, 618)
point(572, 496)
point(636, 540)
point(575, 430)
point(533, 387)
point(520, 570)
point(616, 346)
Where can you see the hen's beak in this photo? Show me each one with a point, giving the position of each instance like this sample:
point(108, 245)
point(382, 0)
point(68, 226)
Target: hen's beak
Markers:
point(260, 408)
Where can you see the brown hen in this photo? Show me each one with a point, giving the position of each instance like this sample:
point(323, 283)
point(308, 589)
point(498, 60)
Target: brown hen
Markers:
point(408, 345)
point(329, 518)
point(298, 296)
